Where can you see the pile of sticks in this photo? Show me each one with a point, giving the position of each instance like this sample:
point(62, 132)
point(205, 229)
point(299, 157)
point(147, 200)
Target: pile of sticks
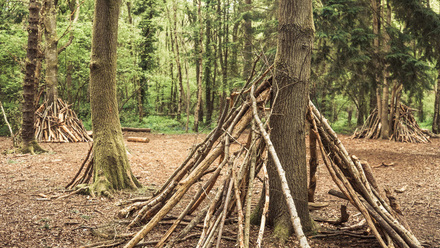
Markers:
point(58, 123)
point(358, 185)
point(224, 152)
point(404, 127)
point(221, 151)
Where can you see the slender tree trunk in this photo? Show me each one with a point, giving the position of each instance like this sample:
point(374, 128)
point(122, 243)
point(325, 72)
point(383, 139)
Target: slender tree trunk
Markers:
point(436, 120)
point(386, 132)
point(51, 52)
point(375, 13)
point(208, 72)
point(69, 70)
point(29, 86)
point(111, 167)
point(291, 88)
point(197, 113)
point(234, 50)
point(178, 64)
point(188, 97)
point(248, 36)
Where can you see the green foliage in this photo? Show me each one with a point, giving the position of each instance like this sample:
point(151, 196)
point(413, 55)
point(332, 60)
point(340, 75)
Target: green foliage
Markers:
point(343, 74)
point(163, 124)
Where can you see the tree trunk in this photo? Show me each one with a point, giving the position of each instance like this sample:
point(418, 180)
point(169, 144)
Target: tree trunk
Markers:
point(51, 52)
point(385, 133)
point(436, 120)
point(111, 168)
point(247, 50)
point(178, 64)
point(188, 97)
point(69, 70)
point(197, 113)
point(30, 145)
point(209, 64)
point(292, 75)
point(376, 14)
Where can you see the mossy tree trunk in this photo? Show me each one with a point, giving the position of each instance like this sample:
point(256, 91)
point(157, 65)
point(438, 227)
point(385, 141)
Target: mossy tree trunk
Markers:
point(51, 52)
point(111, 167)
point(292, 75)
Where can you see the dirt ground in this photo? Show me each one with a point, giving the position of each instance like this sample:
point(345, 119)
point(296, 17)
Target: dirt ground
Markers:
point(28, 219)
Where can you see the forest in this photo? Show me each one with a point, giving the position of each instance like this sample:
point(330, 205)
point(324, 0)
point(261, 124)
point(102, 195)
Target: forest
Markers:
point(176, 64)
point(272, 102)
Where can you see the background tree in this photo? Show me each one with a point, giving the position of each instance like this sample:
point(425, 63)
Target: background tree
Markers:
point(111, 167)
point(30, 145)
point(291, 86)
point(424, 24)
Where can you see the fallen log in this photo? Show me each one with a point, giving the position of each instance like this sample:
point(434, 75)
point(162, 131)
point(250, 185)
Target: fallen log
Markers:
point(133, 129)
point(138, 139)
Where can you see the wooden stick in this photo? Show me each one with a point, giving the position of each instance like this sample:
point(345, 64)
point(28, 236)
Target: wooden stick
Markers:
point(265, 208)
point(6, 119)
point(251, 185)
point(241, 236)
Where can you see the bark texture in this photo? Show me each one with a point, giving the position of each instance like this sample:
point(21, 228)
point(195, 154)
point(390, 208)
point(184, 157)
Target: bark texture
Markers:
point(292, 75)
point(111, 168)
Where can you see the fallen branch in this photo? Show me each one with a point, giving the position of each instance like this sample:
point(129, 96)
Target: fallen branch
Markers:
point(6, 119)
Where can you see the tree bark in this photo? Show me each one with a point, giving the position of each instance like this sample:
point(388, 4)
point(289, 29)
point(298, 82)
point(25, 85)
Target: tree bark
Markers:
point(292, 76)
point(111, 168)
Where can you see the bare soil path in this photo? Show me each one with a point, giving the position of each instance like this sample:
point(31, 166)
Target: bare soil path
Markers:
point(27, 219)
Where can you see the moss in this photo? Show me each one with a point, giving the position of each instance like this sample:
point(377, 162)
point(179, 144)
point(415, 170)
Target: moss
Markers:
point(282, 229)
point(33, 148)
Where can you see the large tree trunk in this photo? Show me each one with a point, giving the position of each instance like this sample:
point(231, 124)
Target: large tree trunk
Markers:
point(111, 168)
point(292, 75)
point(436, 120)
point(29, 86)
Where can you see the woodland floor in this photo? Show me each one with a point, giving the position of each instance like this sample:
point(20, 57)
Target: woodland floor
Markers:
point(26, 220)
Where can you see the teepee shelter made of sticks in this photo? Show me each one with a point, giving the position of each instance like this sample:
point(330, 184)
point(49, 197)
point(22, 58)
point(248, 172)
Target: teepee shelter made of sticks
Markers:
point(58, 123)
point(221, 181)
point(403, 128)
